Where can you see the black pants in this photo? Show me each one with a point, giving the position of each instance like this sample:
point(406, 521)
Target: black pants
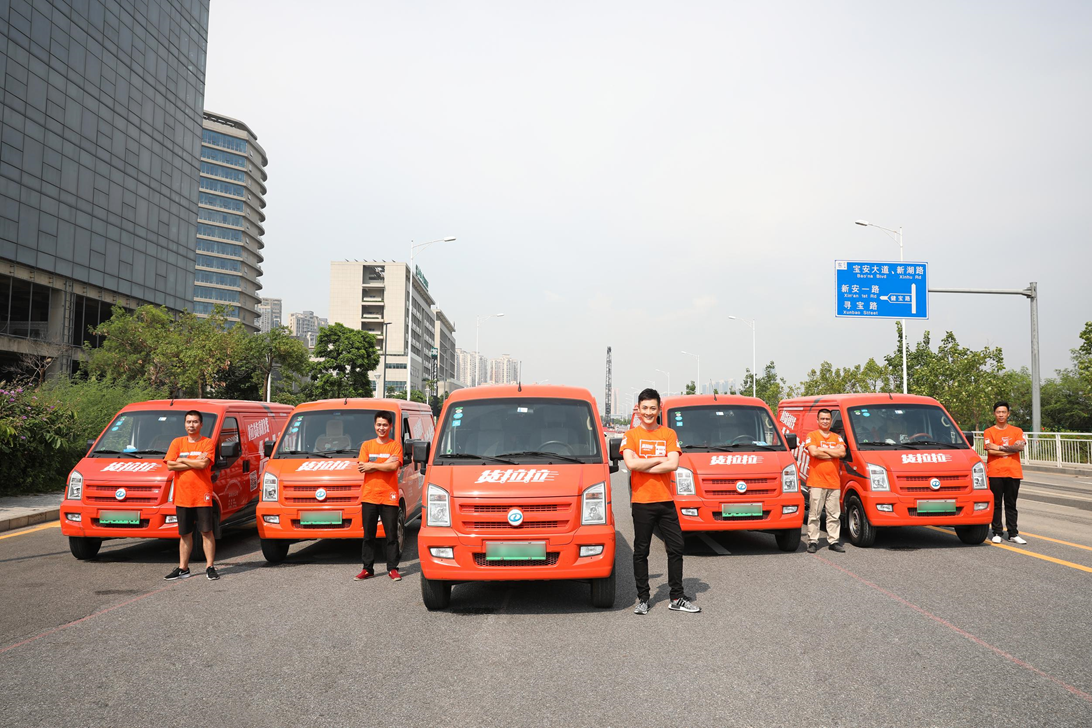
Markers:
point(370, 514)
point(646, 516)
point(1005, 490)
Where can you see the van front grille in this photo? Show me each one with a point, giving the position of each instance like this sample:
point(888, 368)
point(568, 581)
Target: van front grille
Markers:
point(551, 560)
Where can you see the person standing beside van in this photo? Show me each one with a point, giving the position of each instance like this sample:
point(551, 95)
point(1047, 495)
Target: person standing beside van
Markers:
point(190, 458)
point(825, 482)
point(1003, 445)
point(651, 452)
point(380, 460)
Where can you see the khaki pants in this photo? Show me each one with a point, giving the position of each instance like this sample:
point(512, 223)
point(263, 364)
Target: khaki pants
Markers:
point(819, 498)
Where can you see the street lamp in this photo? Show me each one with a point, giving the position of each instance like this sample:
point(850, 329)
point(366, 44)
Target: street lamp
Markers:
point(383, 391)
point(754, 358)
point(697, 382)
point(409, 335)
point(477, 339)
point(668, 375)
point(891, 233)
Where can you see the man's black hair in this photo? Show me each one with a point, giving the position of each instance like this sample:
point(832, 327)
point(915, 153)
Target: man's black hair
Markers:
point(196, 414)
point(646, 394)
point(1001, 403)
point(822, 411)
point(388, 416)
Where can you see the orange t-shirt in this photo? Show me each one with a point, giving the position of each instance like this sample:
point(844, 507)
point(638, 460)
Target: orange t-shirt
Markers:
point(650, 487)
point(825, 473)
point(192, 488)
point(380, 488)
point(1004, 465)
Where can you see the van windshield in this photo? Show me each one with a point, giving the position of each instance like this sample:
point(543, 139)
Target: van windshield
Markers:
point(913, 426)
point(147, 433)
point(515, 431)
point(714, 428)
point(329, 433)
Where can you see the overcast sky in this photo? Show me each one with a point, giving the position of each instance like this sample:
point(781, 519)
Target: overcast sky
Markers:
point(632, 173)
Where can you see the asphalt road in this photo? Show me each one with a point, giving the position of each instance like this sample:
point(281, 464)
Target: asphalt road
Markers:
point(919, 630)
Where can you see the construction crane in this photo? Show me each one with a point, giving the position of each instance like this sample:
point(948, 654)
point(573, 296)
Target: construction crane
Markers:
point(606, 400)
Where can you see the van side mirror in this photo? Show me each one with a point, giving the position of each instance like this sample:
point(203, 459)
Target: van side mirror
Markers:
point(267, 448)
point(90, 444)
point(970, 437)
point(614, 448)
point(407, 450)
point(230, 450)
point(421, 451)
point(792, 441)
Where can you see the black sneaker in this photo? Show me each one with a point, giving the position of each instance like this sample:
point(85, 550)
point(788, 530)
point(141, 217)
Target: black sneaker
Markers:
point(211, 573)
point(682, 604)
point(812, 548)
point(837, 547)
point(178, 573)
point(641, 608)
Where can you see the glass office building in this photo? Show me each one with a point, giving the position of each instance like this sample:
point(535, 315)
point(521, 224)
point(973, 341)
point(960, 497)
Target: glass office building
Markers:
point(229, 220)
point(99, 165)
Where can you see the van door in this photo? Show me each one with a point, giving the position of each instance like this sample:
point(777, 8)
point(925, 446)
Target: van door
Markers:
point(228, 483)
point(257, 427)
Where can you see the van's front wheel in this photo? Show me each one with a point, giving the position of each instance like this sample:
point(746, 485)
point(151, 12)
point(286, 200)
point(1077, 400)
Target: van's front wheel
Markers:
point(973, 535)
point(602, 592)
point(84, 548)
point(435, 594)
point(861, 532)
point(788, 539)
point(275, 550)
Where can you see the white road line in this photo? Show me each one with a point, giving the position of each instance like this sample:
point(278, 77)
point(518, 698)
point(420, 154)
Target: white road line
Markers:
point(717, 548)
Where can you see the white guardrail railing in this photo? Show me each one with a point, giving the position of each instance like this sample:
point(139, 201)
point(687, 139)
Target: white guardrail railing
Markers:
point(1051, 448)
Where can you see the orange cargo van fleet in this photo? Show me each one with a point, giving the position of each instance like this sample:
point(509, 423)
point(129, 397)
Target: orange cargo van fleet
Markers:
point(122, 488)
point(311, 487)
point(736, 471)
point(906, 464)
point(518, 489)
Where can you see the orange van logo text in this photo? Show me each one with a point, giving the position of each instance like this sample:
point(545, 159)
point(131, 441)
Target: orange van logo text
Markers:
point(130, 467)
point(516, 476)
point(735, 460)
point(926, 457)
point(325, 465)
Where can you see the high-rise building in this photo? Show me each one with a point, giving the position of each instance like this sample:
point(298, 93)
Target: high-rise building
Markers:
point(305, 326)
point(467, 367)
point(98, 168)
point(229, 220)
point(270, 314)
point(365, 294)
point(615, 403)
point(503, 370)
point(444, 344)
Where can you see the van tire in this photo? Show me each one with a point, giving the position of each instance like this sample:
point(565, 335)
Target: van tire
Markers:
point(973, 535)
point(861, 532)
point(602, 592)
point(435, 594)
point(275, 550)
point(788, 539)
point(83, 547)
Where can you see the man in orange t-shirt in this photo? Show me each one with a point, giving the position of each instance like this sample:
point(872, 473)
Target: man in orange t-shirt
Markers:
point(651, 452)
point(1003, 444)
point(825, 482)
point(190, 459)
point(380, 460)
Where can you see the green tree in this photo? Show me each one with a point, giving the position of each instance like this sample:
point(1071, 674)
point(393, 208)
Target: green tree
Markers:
point(770, 388)
point(1082, 355)
point(345, 358)
point(691, 388)
point(872, 377)
point(261, 354)
point(418, 396)
point(967, 382)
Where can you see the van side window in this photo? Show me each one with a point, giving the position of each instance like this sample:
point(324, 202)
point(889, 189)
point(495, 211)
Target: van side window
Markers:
point(406, 433)
point(836, 424)
point(230, 431)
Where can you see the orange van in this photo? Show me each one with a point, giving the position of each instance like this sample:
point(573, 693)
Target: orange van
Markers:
point(122, 488)
point(310, 485)
point(736, 471)
point(906, 463)
point(518, 489)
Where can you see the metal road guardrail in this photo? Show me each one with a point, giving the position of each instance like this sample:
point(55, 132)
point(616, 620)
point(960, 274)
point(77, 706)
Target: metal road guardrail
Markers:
point(1051, 448)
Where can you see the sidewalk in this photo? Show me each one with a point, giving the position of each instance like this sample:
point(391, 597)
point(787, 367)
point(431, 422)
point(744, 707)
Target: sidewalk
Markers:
point(26, 510)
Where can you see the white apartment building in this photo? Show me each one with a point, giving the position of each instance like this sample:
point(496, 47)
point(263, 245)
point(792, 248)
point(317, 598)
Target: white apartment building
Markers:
point(503, 370)
point(305, 326)
point(270, 314)
point(444, 368)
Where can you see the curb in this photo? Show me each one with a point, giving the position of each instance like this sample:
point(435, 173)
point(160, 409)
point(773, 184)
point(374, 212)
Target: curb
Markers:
point(1072, 470)
point(49, 514)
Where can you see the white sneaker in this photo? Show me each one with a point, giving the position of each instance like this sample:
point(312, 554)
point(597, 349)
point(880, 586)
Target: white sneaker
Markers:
point(996, 539)
point(1017, 539)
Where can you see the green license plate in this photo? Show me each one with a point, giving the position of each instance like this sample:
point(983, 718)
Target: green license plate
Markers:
point(738, 510)
point(936, 506)
point(320, 518)
point(119, 518)
point(515, 550)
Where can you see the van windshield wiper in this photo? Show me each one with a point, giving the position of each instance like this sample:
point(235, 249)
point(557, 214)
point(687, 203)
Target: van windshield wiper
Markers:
point(342, 451)
point(540, 453)
point(934, 443)
point(302, 452)
point(470, 456)
point(148, 452)
point(880, 444)
point(130, 453)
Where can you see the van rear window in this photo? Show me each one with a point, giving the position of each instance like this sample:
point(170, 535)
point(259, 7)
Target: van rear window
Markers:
point(147, 433)
point(329, 433)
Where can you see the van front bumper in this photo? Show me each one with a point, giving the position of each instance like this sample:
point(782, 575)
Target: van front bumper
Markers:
point(705, 514)
point(279, 521)
point(79, 519)
point(886, 509)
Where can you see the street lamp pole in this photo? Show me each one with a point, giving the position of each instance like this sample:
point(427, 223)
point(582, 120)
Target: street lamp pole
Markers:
point(409, 329)
point(865, 223)
point(754, 357)
point(383, 391)
point(697, 382)
point(668, 374)
point(477, 339)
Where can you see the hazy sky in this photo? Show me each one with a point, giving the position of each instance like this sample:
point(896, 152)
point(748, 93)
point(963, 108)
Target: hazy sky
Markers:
point(632, 173)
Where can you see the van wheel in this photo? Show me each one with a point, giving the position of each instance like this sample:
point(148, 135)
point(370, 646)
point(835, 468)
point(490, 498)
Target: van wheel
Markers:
point(861, 532)
point(435, 594)
point(788, 539)
point(602, 592)
point(84, 548)
point(275, 550)
point(400, 529)
point(973, 535)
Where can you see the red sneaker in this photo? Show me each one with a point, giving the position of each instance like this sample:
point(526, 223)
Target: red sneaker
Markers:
point(364, 574)
point(394, 575)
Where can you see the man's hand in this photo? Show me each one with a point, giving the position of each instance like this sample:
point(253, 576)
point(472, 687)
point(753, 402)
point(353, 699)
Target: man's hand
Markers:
point(637, 464)
point(364, 467)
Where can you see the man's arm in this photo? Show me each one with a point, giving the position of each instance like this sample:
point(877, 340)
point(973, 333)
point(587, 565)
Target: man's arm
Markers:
point(637, 464)
point(669, 465)
point(818, 453)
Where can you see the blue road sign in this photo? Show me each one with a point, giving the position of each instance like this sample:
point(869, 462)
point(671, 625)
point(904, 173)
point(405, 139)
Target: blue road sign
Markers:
point(882, 289)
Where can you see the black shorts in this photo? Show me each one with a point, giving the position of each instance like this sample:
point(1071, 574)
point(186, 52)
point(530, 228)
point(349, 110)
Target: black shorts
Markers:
point(203, 517)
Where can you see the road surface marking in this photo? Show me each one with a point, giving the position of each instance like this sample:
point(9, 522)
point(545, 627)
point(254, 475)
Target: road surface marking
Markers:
point(1025, 552)
point(717, 548)
point(1056, 540)
point(962, 632)
point(24, 531)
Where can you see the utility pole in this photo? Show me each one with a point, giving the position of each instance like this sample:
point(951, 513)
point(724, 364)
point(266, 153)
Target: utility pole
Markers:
point(606, 400)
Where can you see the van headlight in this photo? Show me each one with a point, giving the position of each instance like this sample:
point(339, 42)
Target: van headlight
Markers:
point(684, 481)
point(978, 477)
point(878, 476)
point(75, 486)
point(593, 505)
point(270, 487)
point(789, 483)
point(439, 506)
